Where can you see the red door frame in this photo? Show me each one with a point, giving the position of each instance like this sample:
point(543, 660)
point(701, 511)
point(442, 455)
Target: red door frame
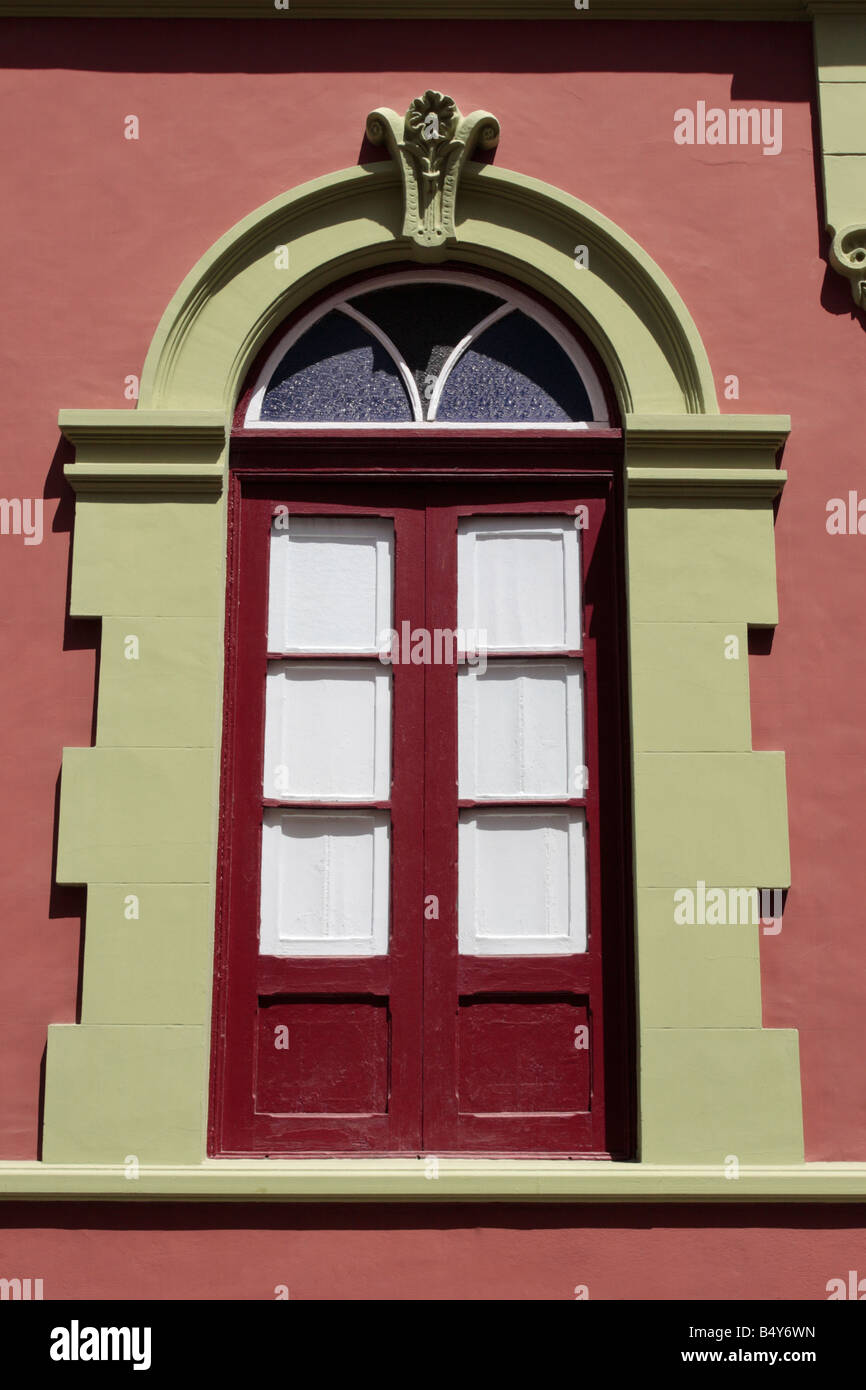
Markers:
point(532, 474)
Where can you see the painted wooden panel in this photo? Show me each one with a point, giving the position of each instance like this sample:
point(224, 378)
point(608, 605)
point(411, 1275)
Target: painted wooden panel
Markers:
point(331, 583)
point(519, 582)
point(324, 883)
point(323, 1056)
point(523, 1055)
point(520, 729)
point(522, 882)
point(327, 731)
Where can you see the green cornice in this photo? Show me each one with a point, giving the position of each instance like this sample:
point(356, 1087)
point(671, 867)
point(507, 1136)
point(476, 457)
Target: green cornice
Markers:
point(716, 458)
point(454, 1179)
point(144, 477)
point(128, 427)
point(731, 458)
point(145, 450)
point(733, 433)
point(445, 9)
point(732, 485)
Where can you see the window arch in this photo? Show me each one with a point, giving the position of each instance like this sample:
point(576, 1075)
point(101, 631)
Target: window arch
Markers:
point(419, 349)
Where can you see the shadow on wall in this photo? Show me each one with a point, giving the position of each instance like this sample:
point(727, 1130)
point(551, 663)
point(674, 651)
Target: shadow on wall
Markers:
point(79, 635)
point(762, 68)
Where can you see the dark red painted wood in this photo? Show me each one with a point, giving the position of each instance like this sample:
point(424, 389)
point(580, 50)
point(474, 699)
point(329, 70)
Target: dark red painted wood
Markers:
point(433, 454)
point(324, 975)
point(371, 1006)
point(535, 974)
point(321, 1057)
point(576, 1122)
point(516, 1060)
point(516, 1008)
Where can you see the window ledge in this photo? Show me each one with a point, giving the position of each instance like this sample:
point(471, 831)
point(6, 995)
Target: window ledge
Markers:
point(445, 1179)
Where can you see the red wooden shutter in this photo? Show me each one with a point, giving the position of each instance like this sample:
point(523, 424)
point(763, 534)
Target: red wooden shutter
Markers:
point(322, 1053)
point(514, 1060)
point(424, 1046)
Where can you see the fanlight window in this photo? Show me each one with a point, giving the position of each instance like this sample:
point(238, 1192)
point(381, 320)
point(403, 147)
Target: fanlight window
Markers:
point(455, 350)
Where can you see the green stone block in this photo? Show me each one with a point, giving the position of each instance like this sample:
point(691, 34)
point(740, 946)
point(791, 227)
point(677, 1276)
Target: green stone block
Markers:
point(121, 1095)
point(709, 1095)
point(137, 814)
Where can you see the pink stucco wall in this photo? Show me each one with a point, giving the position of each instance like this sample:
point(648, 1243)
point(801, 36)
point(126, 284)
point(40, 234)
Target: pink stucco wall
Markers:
point(413, 1253)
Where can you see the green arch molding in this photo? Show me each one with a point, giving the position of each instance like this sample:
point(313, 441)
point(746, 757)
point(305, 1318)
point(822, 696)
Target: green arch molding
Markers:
point(126, 1088)
point(349, 221)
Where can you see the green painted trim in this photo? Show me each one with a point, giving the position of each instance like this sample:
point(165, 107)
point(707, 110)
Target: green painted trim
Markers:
point(445, 9)
point(471, 1180)
point(729, 433)
point(126, 450)
point(143, 477)
point(130, 427)
point(730, 484)
point(723, 457)
point(139, 811)
point(352, 220)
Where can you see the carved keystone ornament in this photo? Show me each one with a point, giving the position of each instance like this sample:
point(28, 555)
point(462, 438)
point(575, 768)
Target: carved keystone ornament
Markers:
point(432, 144)
point(848, 257)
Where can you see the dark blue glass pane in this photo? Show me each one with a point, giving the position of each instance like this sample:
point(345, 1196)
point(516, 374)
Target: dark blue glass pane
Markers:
point(425, 322)
point(514, 371)
point(337, 372)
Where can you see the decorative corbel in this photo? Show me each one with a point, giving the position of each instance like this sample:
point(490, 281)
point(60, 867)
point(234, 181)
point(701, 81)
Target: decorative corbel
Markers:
point(848, 257)
point(431, 144)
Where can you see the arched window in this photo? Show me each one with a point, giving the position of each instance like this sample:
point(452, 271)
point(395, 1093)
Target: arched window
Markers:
point(424, 850)
point(454, 350)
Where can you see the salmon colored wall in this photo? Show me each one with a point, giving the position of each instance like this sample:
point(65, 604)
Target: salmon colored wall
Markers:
point(100, 230)
point(409, 1253)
